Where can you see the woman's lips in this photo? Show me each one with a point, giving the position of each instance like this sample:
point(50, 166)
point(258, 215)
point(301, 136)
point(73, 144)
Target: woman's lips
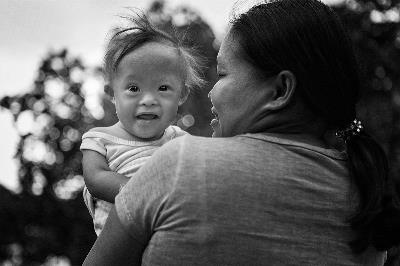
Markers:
point(214, 122)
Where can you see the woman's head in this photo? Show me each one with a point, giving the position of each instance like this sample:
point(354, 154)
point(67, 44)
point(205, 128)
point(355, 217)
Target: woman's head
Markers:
point(149, 74)
point(242, 93)
point(289, 56)
point(306, 38)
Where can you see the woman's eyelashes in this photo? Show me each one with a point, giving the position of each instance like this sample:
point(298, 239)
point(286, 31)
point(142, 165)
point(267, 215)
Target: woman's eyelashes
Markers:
point(221, 71)
point(220, 75)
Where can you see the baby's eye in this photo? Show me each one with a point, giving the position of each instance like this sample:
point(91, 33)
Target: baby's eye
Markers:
point(163, 88)
point(133, 88)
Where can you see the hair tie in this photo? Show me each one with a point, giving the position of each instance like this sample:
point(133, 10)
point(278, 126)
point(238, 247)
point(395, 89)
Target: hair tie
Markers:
point(354, 129)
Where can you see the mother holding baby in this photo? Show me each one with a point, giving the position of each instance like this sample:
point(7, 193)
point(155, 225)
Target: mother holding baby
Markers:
point(271, 187)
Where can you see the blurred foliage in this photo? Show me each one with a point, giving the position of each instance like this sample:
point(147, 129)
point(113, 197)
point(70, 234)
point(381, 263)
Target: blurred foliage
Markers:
point(374, 27)
point(46, 222)
point(48, 217)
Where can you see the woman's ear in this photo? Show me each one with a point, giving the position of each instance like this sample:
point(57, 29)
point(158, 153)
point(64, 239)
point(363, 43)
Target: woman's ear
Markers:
point(283, 86)
point(184, 95)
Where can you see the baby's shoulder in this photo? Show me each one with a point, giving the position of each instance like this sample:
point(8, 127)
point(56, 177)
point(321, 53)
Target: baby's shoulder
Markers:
point(106, 130)
point(103, 132)
point(115, 131)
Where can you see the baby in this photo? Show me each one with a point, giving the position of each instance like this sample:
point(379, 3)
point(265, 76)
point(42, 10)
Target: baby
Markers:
point(149, 74)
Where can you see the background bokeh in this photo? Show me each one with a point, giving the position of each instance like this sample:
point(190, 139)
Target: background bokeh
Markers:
point(43, 220)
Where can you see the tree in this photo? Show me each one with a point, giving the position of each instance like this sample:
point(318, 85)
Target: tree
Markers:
point(48, 217)
point(374, 27)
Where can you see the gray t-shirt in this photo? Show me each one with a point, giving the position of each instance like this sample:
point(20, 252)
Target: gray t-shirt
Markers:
point(247, 200)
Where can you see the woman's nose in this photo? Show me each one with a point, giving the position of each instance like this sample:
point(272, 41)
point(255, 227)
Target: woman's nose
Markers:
point(210, 95)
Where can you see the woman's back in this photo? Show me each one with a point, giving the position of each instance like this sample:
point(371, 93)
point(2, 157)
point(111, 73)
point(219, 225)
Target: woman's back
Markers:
point(251, 199)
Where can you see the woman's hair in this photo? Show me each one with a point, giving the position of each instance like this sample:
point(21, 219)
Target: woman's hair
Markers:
point(141, 31)
point(307, 38)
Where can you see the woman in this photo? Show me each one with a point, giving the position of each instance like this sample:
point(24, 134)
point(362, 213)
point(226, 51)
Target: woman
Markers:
point(269, 188)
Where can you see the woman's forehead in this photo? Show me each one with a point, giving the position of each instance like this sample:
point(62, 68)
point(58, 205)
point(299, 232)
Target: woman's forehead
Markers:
point(229, 50)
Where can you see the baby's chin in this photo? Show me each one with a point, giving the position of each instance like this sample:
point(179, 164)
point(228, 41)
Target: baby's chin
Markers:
point(145, 135)
point(149, 137)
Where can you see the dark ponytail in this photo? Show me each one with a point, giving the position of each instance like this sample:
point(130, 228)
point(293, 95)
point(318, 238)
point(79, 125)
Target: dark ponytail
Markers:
point(307, 38)
point(377, 218)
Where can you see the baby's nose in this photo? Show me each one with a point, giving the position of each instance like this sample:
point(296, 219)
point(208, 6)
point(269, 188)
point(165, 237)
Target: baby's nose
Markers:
point(148, 99)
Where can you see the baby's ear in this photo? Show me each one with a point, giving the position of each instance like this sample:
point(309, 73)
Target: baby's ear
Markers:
point(109, 92)
point(184, 95)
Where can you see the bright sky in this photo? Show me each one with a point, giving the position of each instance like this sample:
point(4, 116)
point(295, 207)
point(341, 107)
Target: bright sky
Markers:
point(29, 28)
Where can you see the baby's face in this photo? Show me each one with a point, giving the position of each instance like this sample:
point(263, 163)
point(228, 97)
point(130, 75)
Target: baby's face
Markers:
point(148, 90)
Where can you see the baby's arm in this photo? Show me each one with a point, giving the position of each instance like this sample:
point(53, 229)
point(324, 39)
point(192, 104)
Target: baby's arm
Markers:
point(101, 181)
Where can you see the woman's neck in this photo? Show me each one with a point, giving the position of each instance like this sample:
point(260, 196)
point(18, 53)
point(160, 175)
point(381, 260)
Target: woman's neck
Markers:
point(302, 137)
point(298, 126)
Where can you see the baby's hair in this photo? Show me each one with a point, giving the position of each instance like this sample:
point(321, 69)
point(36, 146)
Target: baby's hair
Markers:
point(140, 31)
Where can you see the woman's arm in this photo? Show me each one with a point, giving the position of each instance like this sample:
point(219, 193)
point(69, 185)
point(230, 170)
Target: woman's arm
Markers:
point(114, 246)
point(101, 181)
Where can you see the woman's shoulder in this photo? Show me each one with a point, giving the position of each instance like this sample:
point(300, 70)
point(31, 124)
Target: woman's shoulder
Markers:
point(211, 143)
point(252, 148)
point(190, 147)
point(188, 140)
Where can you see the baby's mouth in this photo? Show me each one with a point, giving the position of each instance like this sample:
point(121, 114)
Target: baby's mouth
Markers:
point(147, 116)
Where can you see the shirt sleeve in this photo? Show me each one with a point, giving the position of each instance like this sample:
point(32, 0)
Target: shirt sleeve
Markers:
point(141, 202)
point(90, 141)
